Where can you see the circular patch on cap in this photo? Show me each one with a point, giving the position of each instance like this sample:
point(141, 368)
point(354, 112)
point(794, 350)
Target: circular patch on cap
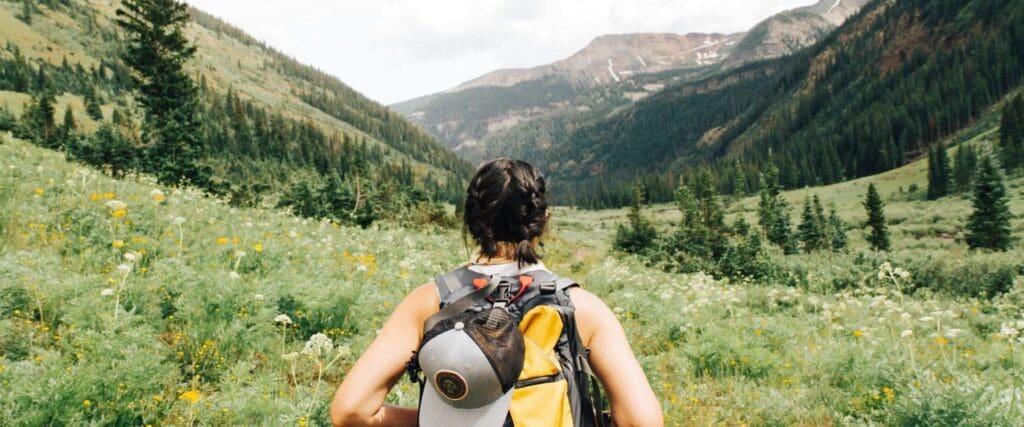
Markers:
point(451, 385)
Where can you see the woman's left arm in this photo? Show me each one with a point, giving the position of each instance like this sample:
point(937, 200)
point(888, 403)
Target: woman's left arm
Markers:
point(632, 400)
point(359, 400)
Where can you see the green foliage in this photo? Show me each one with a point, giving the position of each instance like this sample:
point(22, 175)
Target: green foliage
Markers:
point(940, 175)
point(108, 148)
point(879, 234)
point(836, 231)
point(963, 170)
point(813, 225)
point(157, 50)
point(1011, 133)
point(638, 237)
point(773, 212)
point(819, 116)
point(989, 225)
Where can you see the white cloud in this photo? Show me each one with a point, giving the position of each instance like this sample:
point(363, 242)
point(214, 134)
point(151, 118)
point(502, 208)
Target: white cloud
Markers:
point(393, 50)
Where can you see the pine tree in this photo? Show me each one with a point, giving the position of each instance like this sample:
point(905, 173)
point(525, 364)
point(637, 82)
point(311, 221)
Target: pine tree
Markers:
point(1011, 134)
point(92, 105)
point(68, 128)
point(989, 225)
point(773, 212)
point(811, 230)
point(639, 236)
point(837, 230)
point(26, 12)
point(157, 50)
point(938, 172)
point(879, 236)
point(965, 165)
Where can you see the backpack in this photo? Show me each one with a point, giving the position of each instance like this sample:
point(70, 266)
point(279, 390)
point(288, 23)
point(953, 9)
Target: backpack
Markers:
point(556, 387)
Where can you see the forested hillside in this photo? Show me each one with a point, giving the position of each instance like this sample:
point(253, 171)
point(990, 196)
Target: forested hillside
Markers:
point(516, 112)
point(270, 126)
point(872, 96)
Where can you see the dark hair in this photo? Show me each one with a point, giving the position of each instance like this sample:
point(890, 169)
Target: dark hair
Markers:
point(506, 202)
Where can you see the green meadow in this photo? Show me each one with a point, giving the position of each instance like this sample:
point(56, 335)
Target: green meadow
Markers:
point(124, 302)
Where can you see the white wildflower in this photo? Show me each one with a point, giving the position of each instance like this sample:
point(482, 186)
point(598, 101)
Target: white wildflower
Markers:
point(116, 205)
point(344, 351)
point(130, 256)
point(362, 268)
point(124, 268)
point(107, 292)
point(283, 319)
point(317, 345)
point(234, 275)
point(953, 333)
point(906, 333)
point(179, 220)
point(258, 297)
point(239, 254)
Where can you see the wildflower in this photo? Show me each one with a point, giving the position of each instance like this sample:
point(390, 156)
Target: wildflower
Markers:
point(39, 192)
point(107, 292)
point(118, 244)
point(124, 268)
point(157, 195)
point(94, 197)
point(86, 403)
point(258, 297)
point(120, 213)
point(283, 319)
point(858, 333)
point(116, 205)
point(317, 345)
point(239, 254)
point(130, 256)
point(906, 333)
point(290, 356)
point(941, 340)
point(258, 248)
point(191, 396)
point(222, 240)
point(234, 275)
point(178, 220)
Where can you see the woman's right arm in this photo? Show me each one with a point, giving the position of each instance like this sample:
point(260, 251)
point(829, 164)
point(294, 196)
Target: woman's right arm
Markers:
point(359, 400)
point(632, 400)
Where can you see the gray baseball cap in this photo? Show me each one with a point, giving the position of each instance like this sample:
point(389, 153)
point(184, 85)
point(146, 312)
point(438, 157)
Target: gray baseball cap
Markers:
point(471, 362)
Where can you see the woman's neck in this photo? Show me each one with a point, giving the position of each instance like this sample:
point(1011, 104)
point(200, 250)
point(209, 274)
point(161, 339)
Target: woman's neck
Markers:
point(503, 256)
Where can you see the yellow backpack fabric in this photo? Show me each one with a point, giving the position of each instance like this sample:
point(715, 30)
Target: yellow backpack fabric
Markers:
point(545, 403)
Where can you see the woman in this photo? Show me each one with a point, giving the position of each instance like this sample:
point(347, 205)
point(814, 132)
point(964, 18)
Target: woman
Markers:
point(506, 213)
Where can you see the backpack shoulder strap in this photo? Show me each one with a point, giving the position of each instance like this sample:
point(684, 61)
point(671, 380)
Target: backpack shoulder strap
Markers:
point(549, 282)
point(455, 284)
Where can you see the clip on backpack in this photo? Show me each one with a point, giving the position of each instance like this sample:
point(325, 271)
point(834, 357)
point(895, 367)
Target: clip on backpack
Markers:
point(556, 386)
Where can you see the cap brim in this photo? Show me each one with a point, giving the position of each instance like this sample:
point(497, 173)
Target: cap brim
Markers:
point(434, 412)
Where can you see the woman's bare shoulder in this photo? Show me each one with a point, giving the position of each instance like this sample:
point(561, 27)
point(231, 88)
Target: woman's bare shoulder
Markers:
point(591, 313)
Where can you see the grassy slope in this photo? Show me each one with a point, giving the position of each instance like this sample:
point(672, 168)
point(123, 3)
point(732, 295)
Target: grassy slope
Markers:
point(225, 61)
point(189, 342)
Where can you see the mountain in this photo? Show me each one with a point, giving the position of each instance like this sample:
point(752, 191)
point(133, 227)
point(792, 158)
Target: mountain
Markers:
point(269, 121)
point(787, 32)
point(610, 72)
point(873, 95)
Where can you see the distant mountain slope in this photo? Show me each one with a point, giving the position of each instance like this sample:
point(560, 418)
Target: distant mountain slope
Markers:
point(286, 114)
point(486, 116)
point(789, 31)
point(872, 96)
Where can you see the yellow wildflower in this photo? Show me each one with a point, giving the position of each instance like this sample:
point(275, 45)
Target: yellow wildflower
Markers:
point(192, 396)
point(258, 248)
point(858, 333)
point(119, 213)
point(39, 191)
point(235, 240)
point(118, 244)
point(941, 340)
point(94, 197)
point(222, 240)
point(109, 195)
point(86, 403)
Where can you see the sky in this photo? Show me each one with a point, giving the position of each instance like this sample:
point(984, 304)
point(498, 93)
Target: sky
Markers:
point(395, 50)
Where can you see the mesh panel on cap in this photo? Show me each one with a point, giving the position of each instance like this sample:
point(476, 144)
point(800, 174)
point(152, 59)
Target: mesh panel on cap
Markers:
point(498, 335)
